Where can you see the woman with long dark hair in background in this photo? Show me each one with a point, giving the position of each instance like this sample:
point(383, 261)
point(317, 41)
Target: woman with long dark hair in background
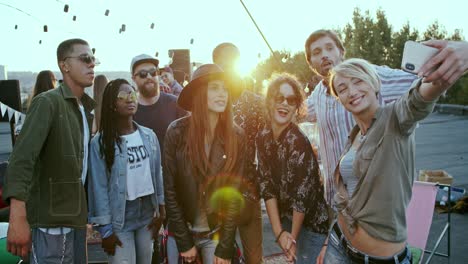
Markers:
point(45, 81)
point(100, 83)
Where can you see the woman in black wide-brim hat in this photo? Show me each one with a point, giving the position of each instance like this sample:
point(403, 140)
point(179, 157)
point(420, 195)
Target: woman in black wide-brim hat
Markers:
point(202, 165)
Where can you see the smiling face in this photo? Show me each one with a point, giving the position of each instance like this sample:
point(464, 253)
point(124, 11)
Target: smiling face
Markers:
point(126, 101)
point(324, 55)
point(217, 96)
point(283, 106)
point(356, 95)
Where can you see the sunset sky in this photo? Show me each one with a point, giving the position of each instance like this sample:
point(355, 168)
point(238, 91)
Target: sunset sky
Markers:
point(286, 25)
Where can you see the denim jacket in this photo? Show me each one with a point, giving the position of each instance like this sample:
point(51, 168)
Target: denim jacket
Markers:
point(107, 191)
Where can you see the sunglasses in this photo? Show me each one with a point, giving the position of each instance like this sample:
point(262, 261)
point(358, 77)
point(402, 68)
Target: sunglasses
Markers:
point(126, 96)
point(88, 59)
point(291, 100)
point(144, 73)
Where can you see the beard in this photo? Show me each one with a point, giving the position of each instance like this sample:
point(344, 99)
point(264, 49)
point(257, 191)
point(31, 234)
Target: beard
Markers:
point(149, 92)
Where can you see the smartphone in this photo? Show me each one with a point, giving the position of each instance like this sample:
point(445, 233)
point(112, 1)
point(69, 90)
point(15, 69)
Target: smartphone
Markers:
point(415, 55)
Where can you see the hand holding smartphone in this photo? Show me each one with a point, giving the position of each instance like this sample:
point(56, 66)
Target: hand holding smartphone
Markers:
point(415, 55)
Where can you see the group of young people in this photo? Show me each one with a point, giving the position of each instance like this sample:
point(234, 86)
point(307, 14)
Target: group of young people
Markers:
point(205, 175)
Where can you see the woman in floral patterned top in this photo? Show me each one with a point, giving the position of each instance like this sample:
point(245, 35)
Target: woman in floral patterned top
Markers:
point(289, 176)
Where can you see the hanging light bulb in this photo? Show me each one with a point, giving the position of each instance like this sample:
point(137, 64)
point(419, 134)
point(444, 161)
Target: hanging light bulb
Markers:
point(45, 28)
point(16, 26)
point(157, 53)
point(191, 41)
point(40, 41)
point(123, 27)
point(74, 18)
point(93, 50)
point(107, 12)
point(65, 8)
point(152, 26)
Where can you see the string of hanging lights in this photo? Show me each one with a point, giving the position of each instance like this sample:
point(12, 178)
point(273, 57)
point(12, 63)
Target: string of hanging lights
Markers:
point(67, 8)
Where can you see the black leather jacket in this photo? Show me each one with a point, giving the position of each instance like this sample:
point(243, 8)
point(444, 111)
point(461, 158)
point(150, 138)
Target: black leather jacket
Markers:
point(182, 189)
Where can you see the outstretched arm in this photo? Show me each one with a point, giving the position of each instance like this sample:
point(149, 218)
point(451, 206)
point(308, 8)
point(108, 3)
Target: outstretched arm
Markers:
point(453, 60)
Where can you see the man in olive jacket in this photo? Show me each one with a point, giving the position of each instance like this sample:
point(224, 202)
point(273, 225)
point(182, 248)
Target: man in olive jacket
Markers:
point(48, 165)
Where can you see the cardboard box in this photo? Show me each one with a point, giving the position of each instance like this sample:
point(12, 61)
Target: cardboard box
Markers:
point(439, 176)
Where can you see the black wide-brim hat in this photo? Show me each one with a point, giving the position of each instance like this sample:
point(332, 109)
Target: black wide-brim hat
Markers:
point(201, 76)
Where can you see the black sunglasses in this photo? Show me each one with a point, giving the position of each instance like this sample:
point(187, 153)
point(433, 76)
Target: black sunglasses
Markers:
point(291, 100)
point(144, 73)
point(88, 59)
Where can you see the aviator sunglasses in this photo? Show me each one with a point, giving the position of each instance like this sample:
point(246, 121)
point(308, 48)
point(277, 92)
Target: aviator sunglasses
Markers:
point(88, 59)
point(125, 96)
point(144, 73)
point(291, 100)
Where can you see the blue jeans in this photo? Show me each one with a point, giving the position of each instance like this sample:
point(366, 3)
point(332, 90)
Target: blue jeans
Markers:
point(336, 253)
point(206, 246)
point(64, 248)
point(137, 240)
point(308, 243)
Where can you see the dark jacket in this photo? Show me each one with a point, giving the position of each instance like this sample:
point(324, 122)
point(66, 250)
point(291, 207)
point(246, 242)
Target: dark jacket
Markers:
point(183, 189)
point(46, 163)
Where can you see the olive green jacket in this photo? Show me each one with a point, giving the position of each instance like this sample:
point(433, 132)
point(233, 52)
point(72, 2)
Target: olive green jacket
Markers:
point(46, 163)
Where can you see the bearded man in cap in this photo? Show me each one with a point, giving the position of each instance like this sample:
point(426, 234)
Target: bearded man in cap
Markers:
point(156, 110)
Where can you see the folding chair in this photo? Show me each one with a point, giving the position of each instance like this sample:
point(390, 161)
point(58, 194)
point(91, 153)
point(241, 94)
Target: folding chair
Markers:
point(419, 219)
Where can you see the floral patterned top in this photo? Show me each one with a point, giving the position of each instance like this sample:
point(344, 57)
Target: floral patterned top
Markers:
point(249, 114)
point(289, 172)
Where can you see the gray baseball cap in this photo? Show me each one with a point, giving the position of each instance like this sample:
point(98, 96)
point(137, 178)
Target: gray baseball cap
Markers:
point(141, 59)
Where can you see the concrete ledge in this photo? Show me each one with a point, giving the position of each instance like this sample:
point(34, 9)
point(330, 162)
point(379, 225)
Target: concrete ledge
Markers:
point(451, 109)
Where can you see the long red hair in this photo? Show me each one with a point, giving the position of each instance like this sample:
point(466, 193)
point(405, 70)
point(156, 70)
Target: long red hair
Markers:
point(199, 131)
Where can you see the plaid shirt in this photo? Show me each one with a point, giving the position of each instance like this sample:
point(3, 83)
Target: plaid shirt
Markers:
point(335, 122)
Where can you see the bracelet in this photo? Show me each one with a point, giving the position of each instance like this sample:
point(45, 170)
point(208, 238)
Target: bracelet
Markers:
point(278, 237)
point(324, 245)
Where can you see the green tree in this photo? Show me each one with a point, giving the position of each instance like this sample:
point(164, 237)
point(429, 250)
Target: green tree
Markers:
point(435, 31)
point(382, 39)
point(458, 93)
point(282, 61)
point(368, 38)
point(398, 43)
point(457, 35)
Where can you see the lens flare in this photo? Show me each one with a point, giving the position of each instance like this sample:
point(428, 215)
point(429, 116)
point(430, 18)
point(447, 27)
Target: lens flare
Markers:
point(224, 198)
